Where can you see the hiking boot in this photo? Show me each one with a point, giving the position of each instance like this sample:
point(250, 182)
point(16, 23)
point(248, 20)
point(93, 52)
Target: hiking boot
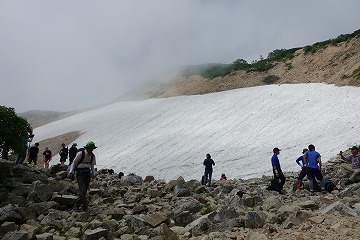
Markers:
point(324, 191)
point(312, 193)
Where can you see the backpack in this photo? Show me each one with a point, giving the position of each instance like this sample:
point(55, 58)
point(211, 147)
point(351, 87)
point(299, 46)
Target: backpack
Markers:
point(203, 180)
point(275, 185)
point(82, 159)
point(329, 185)
point(298, 185)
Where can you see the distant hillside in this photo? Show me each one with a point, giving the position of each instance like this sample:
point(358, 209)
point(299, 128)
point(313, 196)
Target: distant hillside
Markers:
point(334, 61)
point(37, 118)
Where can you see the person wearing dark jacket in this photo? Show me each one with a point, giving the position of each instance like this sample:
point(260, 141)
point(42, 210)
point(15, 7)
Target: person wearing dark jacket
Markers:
point(33, 153)
point(72, 153)
point(64, 152)
point(208, 163)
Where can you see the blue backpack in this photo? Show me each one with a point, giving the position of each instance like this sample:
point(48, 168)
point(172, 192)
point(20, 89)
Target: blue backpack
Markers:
point(329, 185)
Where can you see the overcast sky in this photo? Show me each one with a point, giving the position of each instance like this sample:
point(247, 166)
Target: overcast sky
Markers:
point(65, 55)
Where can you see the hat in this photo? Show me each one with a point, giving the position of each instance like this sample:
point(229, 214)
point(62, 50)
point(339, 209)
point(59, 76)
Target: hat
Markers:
point(74, 144)
point(354, 148)
point(276, 150)
point(90, 145)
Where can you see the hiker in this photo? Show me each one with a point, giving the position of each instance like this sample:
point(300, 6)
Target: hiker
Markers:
point(278, 174)
point(63, 153)
point(312, 160)
point(83, 165)
point(301, 163)
point(354, 158)
point(25, 146)
point(223, 177)
point(208, 163)
point(33, 153)
point(47, 155)
point(72, 153)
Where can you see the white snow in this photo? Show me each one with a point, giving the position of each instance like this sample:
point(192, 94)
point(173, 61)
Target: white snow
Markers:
point(169, 137)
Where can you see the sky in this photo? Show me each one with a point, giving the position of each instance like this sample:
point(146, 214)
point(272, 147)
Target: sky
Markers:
point(67, 55)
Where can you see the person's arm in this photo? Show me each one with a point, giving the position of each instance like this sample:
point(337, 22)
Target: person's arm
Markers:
point(319, 161)
point(93, 163)
point(298, 161)
point(76, 160)
point(204, 163)
point(305, 160)
point(213, 163)
point(273, 163)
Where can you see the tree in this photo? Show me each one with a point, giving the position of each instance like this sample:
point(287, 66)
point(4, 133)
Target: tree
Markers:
point(13, 130)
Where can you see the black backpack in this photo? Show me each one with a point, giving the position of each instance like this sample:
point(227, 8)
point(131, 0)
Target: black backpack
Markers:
point(275, 185)
point(82, 150)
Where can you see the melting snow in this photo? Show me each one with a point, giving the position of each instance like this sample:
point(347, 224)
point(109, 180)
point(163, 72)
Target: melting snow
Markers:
point(169, 137)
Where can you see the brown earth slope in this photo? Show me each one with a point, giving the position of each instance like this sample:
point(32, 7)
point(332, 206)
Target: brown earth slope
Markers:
point(332, 65)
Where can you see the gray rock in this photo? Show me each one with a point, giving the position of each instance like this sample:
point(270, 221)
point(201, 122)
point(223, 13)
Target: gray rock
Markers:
point(234, 199)
point(44, 236)
point(26, 213)
point(30, 177)
point(163, 232)
point(254, 220)
point(68, 200)
point(58, 168)
point(341, 208)
point(180, 191)
point(251, 201)
point(16, 200)
point(131, 180)
point(192, 205)
point(95, 234)
point(204, 226)
point(272, 203)
point(16, 235)
point(22, 190)
point(9, 214)
point(39, 192)
point(225, 213)
point(183, 218)
point(155, 219)
point(7, 227)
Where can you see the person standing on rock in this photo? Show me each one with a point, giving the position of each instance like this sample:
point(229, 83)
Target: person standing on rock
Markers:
point(47, 155)
point(63, 153)
point(83, 165)
point(312, 160)
point(72, 153)
point(208, 163)
point(354, 158)
point(278, 174)
point(33, 152)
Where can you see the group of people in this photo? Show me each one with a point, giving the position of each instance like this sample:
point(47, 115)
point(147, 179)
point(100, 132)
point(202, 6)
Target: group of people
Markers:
point(311, 166)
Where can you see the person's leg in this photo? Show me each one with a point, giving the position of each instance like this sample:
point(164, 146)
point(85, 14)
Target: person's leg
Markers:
point(320, 177)
point(87, 178)
point(206, 176)
point(210, 174)
point(311, 177)
point(302, 174)
point(81, 180)
point(282, 179)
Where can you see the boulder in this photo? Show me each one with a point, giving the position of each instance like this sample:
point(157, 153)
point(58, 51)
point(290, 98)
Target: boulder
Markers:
point(58, 168)
point(7, 227)
point(22, 190)
point(225, 213)
point(16, 235)
point(192, 205)
point(68, 200)
point(234, 199)
point(9, 214)
point(131, 180)
point(44, 236)
point(180, 191)
point(163, 232)
point(183, 218)
point(155, 219)
point(39, 192)
point(254, 220)
point(32, 176)
point(95, 234)
point(137, 209)
point(149, 179)
point(341, 208)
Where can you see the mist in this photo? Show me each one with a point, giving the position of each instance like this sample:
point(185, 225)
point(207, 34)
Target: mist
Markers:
point(67, 55)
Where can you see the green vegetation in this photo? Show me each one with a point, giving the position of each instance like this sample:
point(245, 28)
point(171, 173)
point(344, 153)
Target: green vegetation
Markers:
point(13, 130)
point(310, 49)
point(207, 209)
point(356, 73)
point(212, 71)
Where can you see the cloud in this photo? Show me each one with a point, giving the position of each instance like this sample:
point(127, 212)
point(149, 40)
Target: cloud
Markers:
point(65, 55)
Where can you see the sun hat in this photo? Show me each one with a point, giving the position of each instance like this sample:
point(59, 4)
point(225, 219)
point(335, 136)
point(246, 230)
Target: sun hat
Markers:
point(90, 145)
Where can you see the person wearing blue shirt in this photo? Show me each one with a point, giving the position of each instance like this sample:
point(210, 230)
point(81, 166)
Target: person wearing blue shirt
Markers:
point(276, 166)
point(301, 163)
point(312, 160)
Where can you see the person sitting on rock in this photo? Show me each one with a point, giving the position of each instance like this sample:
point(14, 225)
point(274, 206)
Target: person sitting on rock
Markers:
point(301, 163)
point(354, 158)
point(223, 177)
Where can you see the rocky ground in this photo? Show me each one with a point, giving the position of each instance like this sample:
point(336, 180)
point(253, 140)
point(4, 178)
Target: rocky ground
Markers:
point(36, 203)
